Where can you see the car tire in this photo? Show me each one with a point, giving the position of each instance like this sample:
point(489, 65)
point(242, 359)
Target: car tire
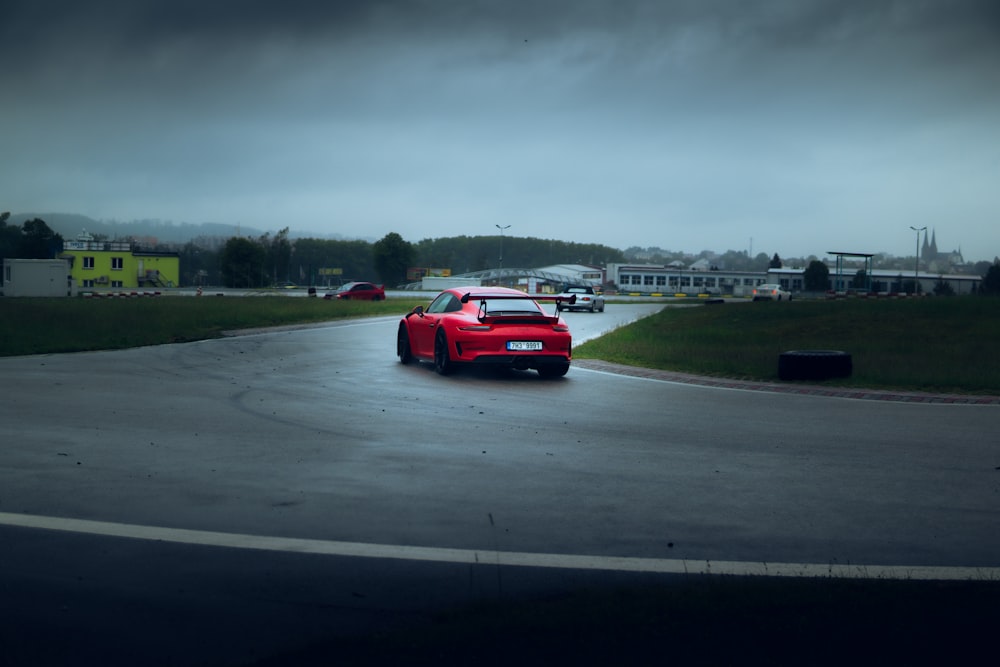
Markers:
point(553, 370)
point(442, 357)
point(403, 350)
point(814, 365)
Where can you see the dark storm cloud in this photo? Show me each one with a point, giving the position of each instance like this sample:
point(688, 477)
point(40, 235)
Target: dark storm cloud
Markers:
point(634, 114)
point(185, 44)
point(33, 29)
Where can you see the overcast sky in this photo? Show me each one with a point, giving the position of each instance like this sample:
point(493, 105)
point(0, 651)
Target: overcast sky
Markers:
point(804, 125)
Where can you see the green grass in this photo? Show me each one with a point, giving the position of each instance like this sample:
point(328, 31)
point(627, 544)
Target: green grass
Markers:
point(38, 326)
point(940, 344)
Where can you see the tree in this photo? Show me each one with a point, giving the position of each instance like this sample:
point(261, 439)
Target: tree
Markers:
point(816, 277)
point(991, 280)
point(316, 259)
point(775, 262)
point(279, 255)
point(243, 263)
point(942, 288)
point(859, 281)
point(38, 241)
point(199, 266)
point(10, 238)
point(392, 256)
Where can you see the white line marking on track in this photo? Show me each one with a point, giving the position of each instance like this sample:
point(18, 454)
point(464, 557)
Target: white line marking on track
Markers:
point(509, 558)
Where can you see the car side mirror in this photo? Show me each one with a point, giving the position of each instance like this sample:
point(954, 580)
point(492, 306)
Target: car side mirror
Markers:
point(418, 311)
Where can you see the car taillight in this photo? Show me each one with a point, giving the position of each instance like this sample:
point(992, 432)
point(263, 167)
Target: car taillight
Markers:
point(561, 328)
point(476, 327)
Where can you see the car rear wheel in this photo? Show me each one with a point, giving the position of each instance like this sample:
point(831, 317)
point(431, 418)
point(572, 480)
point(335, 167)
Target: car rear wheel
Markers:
point(553, 370)
point(442, 359)
point(403, 350)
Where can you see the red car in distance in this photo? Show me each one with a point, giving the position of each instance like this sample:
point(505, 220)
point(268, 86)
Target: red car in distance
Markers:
point(485, 325)
point(358, 291)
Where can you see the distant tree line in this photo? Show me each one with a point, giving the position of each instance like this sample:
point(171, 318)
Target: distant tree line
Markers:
point(273, 259)
point(268, 260)
point(32, 240)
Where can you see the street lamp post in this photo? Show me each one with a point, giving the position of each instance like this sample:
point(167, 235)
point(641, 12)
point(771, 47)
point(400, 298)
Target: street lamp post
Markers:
point(501, 242)
point(916, 262)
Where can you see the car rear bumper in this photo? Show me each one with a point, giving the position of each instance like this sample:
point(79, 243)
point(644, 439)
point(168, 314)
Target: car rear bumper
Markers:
point(522, 361)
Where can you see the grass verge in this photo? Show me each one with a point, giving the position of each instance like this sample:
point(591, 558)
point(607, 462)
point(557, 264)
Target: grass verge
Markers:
point(39, 326)
point(932, 344)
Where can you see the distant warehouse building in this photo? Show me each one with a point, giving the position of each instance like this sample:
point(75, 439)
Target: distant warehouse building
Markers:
point(879, 281)
point(119, 265)
point(671, 279)
point(675, 279)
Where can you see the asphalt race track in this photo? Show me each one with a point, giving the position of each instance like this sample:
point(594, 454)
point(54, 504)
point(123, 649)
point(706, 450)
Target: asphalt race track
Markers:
point(235, 500)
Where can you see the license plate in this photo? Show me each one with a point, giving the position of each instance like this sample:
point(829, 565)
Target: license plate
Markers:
point(524, 345)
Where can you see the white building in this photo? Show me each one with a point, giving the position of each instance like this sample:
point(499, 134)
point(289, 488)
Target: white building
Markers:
point(36, 277)
point(660, 280)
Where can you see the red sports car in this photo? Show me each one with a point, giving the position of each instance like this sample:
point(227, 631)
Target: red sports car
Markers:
point(359, 292)
point(485, 325)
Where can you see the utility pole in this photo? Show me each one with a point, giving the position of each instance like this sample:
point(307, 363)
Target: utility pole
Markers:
point(501, 242)
point(916, 263)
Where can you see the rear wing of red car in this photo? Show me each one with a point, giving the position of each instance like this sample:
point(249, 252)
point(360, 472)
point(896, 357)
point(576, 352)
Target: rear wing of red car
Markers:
point(470, 296)
point(539, 318)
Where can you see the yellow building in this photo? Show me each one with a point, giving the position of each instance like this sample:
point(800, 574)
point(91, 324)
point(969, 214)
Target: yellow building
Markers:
point(119, 265)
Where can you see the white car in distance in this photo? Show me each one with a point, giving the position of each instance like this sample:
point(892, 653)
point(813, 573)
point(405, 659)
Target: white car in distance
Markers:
point(586, 299)
point(771, 292)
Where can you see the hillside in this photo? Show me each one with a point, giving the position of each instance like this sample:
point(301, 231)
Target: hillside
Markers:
point(70, 225)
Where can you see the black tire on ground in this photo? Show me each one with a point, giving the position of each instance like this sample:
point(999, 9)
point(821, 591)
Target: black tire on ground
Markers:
point(553, 370)
point(814, 365)
point(442, 358)
point(403, 350)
